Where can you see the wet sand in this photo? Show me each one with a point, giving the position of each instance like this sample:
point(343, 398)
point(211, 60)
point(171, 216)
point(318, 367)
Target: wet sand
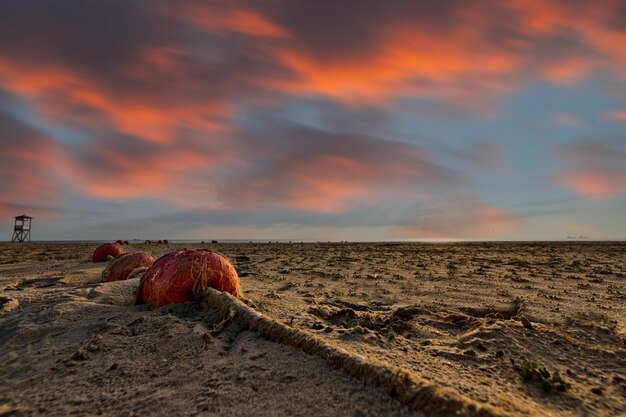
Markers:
point(452, 314)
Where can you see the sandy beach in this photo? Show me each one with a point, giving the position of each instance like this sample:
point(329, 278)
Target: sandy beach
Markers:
point(457, 315)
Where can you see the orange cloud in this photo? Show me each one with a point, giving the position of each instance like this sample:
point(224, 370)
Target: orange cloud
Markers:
point(57, 91)
point(34, 167)
point(406, 62)
point(467, 61)
point(599, 33)
point(469, 52)
point(190, 71)
point(225, 19)
point(464, 58)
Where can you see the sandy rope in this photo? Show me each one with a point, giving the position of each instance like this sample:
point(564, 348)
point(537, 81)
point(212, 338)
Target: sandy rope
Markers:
point(407, 387)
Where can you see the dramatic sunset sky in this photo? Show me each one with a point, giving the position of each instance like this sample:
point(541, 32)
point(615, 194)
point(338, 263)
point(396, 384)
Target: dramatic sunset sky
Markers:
point(314, 120)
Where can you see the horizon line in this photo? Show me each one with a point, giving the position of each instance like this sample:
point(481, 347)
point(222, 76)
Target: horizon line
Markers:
point(295, 241)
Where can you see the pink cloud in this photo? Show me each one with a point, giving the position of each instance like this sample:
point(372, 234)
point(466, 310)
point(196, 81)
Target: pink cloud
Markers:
point(596, 169)
point(573, 227)
point(470, 220)
point(32, 168)
point(331, 183)
point(176, 173)
point(595, 184)
point(618, 116)
point(332, 180)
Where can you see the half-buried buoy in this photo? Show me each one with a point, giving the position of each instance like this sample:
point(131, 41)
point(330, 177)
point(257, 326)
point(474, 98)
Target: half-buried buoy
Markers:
point(181, 276)
point(105, 250)
point(121, 268)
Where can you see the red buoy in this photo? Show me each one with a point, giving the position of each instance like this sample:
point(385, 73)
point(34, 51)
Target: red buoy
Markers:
point(103, 251)
point(121, 268)
point(181, 276)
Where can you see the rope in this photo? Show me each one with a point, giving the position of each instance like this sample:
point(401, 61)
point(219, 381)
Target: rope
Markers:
point(408, 388)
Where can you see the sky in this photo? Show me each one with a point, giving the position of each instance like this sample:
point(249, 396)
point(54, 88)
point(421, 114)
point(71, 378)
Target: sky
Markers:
point(313, 120)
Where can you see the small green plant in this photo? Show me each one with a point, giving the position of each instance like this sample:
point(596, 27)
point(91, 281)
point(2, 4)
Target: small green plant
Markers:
point(531, 371)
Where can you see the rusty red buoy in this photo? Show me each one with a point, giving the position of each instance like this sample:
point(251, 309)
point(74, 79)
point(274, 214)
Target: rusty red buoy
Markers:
point(181, 276)
point(121, 268)
point(105, 250)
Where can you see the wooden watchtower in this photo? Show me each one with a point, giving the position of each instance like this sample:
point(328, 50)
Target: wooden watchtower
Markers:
point(21, 231)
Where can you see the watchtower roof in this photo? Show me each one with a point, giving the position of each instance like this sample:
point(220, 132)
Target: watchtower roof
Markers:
point(22, 217)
